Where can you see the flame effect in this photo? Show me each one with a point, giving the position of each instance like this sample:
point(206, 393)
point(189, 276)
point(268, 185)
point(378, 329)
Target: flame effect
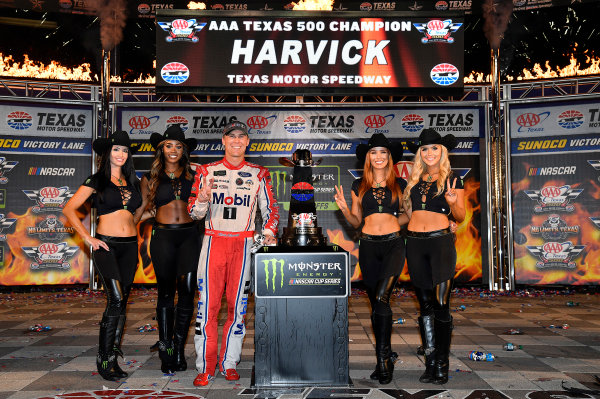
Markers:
point(55, 71)
point(145, 271)
point(468, 242)
point(573, 69)
point(313, 5)
point(588, 268)
point(16, 270)
point(192, 5)
point(83, 73)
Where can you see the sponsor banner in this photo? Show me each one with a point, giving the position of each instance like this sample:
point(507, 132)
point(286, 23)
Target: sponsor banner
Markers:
point(554, 119)
point(52, 120)
point(46, 145)
point(305, 51)
point(147, 9)
point(555, 203)
point(305, 274)
point(40, 247)
point(303, 123)
point(553, 144)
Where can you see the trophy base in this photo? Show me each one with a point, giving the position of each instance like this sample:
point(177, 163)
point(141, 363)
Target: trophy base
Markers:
point(303, 237)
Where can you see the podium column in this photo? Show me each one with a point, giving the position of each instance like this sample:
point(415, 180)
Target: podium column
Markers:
point(301, 317)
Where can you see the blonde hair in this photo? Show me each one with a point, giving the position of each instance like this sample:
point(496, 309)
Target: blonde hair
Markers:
point(419, 169)
point(390, 179)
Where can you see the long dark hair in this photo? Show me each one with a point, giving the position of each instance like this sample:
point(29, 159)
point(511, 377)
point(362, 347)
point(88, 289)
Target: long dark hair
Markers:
point(103, 174)
point(157, 171)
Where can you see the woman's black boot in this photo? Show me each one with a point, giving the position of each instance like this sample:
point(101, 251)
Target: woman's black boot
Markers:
point(166, 351)
point(183, 317)
point(382, 326)
point(117, 346)
point(426, 328)
point(443, 335)
point(107, 359)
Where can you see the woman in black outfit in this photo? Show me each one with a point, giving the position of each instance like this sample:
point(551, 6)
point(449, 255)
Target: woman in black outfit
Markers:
point(433, 196)
point(175, 242)
point(115, 192)
point(376, 199)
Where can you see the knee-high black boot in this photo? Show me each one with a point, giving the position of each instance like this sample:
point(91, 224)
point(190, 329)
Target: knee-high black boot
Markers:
point(166, 352)
point(426, 328)
point(394, 356)
point(183, 317)
point(443, 335)
point(382, 326)
point(117, 345)
point(107, 358)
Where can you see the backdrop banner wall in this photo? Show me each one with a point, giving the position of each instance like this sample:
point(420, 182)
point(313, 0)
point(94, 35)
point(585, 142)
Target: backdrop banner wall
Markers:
point(556, 192)
point(45, 156)
point(332, 134)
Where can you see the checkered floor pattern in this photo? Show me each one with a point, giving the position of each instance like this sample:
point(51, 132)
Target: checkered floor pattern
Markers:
point(557, 350)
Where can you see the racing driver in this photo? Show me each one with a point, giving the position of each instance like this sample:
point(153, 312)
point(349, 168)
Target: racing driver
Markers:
point(227, 193)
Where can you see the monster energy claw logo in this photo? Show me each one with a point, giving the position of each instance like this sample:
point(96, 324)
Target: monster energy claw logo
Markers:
point(273, 263)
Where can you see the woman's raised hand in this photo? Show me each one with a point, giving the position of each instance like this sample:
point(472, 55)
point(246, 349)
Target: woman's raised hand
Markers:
point(451, 193)
point(339, 198)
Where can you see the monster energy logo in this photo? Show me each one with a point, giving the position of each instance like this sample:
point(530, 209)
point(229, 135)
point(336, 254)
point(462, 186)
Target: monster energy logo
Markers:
point(273, 263)
point(279, 177)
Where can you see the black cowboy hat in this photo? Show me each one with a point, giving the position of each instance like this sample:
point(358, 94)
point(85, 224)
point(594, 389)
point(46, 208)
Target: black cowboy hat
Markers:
point(379, 140)
point(431, 136)
point(120, 137)
point(174, 132)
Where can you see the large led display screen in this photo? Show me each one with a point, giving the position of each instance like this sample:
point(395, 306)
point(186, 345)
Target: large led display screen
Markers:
point(308, 53)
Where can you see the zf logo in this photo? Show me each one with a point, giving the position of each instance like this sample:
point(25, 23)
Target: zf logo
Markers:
point(271, 272)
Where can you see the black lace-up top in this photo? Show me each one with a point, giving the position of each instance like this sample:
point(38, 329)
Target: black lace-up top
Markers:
point(114, 197)
point(378, 199)
point(172, 189)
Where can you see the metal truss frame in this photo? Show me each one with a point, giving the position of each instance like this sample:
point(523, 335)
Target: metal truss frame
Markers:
point(81, 91)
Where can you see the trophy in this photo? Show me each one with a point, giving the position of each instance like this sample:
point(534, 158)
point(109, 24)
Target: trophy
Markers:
point(302, 228)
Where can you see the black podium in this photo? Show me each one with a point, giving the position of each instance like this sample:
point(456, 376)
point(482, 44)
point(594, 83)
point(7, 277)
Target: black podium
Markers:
point(301, 316)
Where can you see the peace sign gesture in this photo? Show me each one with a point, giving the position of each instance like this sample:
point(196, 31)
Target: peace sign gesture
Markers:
point(339, 198)
point(451, 193)
point(204, 194)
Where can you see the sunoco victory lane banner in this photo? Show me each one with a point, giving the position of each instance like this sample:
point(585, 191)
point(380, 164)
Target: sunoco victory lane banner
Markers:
point(556, 191)
point(45, 154)
point(331, 134)
point(304, 52)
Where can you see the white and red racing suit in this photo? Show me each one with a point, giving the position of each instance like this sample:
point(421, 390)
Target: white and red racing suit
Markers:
point(225, 258)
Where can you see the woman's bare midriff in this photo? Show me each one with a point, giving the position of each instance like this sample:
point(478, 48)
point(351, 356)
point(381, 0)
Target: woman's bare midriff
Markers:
point(379, 224)
point(117, 224)
point(175, 212)
point(421, 221)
